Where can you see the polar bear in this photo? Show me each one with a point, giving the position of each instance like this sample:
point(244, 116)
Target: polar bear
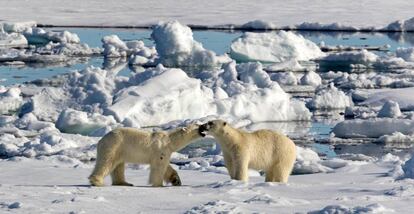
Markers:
point(129, 145)
point(261, 150)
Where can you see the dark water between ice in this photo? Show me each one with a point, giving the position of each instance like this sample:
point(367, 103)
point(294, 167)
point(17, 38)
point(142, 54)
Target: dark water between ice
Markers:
point(219, 42)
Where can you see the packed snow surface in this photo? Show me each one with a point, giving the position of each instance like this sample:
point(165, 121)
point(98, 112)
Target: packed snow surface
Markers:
point(376, 13)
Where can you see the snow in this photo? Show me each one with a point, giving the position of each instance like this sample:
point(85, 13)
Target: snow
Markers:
point(167, 96)
point(67, 191)
point(176, 47)
point(276, 47)
point(373, 128)
point(390, 109)
point(357, 14)
point(53, 130)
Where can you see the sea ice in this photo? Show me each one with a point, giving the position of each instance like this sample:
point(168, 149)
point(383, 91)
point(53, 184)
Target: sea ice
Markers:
point(276, 47)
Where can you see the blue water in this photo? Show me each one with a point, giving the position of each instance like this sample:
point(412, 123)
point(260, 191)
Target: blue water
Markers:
point(218, 41)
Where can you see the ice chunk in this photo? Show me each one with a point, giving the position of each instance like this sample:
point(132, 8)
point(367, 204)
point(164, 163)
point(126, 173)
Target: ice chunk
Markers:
point(352, 57)
point(325, 27)
point(78, 122)
point(258, 25)
point(373, 128)
point(330, 98)
point(401, 25)
point(308, 162)
point(13, 40)
point(39, 35)
point(17, 27)
point(273, 47)
point(10, 100)
point(176, 47)
point(311, 78)
point(408, 168)
point(406, 53)
point(285, 78)
point(390, 109)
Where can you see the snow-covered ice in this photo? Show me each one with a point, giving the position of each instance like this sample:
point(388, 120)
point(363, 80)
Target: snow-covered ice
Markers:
point(276, 47)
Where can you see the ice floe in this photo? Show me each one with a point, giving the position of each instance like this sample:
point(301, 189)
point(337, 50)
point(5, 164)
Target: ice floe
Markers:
point(276, 47)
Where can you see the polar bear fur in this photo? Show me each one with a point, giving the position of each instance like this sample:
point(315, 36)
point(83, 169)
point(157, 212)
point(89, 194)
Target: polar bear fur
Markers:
point(261, 150)
point(129, 145)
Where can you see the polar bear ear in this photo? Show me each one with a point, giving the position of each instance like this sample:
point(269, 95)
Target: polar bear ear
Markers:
point(184, 129)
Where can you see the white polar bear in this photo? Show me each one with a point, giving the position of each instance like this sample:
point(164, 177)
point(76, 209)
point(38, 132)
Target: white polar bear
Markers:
point(261, 150)
point(129, 145)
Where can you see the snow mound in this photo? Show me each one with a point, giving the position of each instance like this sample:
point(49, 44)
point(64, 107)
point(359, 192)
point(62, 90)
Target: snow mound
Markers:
point(273, 47)
point(166, 96)
point(406, 53)
point(341, 209)
point(390, 109)
point(330, 98)
point(373, 128)
point(401, 25)
point(176, 47)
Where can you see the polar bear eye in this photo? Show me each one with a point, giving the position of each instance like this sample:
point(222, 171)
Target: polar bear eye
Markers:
point(210, 123)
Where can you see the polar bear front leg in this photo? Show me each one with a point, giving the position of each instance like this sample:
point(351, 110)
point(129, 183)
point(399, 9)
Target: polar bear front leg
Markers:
point(118, 176)
point(171, 176)
point(157, 172)
point(228, 162)
point(241, 166)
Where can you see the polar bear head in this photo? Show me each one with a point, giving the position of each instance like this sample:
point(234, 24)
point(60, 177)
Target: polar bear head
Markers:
point(213, 127)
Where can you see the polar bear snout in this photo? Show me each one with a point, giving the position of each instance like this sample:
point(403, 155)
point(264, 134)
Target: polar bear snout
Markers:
point(203, 129)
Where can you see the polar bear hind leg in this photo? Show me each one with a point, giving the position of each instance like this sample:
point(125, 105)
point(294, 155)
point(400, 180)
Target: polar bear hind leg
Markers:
point(171, 176)
point(279, 172)
point(157, 172)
